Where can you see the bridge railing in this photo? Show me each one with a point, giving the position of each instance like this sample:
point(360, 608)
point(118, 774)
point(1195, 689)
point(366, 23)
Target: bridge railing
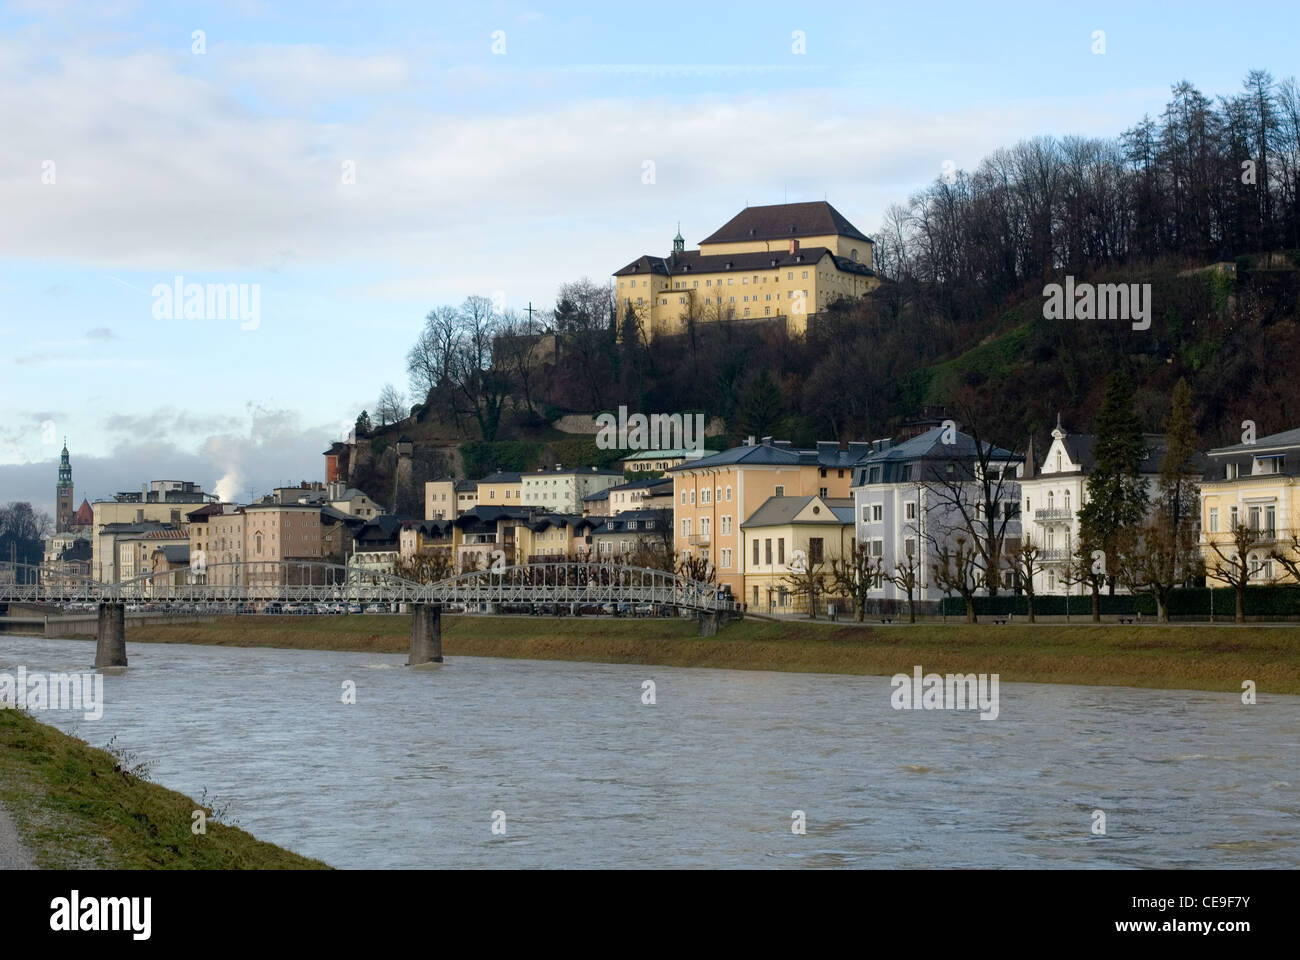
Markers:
point(314, 582)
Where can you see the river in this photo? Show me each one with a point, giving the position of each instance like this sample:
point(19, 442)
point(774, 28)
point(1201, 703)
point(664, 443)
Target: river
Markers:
point(581, 774)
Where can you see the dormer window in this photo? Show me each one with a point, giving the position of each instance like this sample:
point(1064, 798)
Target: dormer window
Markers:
point(1231, 471)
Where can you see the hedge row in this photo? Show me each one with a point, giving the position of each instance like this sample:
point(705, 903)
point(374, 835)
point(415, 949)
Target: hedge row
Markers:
point(1260, 602)
point(1044, 606)
point(1193, 602)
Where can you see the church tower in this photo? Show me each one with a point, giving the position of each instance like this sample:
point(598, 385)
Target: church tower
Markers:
point(63, 498)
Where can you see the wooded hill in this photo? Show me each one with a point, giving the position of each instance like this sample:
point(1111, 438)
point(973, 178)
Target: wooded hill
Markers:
point(1200, 203)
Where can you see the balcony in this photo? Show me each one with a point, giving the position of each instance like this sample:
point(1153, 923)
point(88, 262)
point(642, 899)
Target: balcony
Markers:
point(699, 539)
point(1054, 555)
point(1053, 515)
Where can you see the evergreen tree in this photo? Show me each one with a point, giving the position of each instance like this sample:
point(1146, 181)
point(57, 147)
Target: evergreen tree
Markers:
point(761, 411)
point(363, 424)
point(1117, 496)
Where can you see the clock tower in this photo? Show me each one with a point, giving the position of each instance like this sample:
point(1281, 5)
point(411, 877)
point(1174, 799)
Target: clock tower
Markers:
point(63, 498)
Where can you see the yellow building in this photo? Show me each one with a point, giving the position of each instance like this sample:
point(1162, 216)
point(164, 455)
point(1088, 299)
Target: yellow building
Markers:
point(1258, 485)
point(787, 536)
point(788, 260)
point(712, 497)
point(501, 490)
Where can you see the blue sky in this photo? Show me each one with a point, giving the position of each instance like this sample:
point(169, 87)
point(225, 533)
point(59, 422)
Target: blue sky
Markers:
point(475, 172)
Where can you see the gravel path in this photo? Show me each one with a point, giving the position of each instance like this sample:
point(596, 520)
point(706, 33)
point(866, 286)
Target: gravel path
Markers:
point(13, 855)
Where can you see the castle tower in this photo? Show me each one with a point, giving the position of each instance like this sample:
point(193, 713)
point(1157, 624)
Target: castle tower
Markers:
point(679, 243)
point(63, 494)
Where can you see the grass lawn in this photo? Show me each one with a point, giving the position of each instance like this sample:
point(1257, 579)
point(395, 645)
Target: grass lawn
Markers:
point(1196, 656)
point(78, 807)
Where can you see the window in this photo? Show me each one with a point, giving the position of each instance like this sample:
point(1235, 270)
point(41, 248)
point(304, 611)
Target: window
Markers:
point(780, 491)
point(877, 547)
point(1232, 518)
point(704, 495)
point(1051, 499)
point(877, 512)
point(1231, 471)
point(909, 546)
point(756, 556)
point(780, 550)
point(728, 493)
point(1067, 501)
point(805, 275)
point(686, 527)
point(767, 551)
point(815, 545)
point(909, 510)
point(821, 492)
point(717, 494)
point(822, 473)
point(683, 498)
point(692, 497)
point(725, 557)
point(1214, 519)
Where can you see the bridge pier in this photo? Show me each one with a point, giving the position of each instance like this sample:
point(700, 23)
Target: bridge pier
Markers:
point(709, 623)
point(110, 637)
point(426, 634)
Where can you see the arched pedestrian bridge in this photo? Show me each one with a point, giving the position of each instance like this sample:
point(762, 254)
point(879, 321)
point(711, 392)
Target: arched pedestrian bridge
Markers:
point(573, 587)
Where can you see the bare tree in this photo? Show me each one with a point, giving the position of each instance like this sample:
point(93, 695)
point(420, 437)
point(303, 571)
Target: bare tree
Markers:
point(975, 496)
point(518, 350)
point(957, 569)
point(431, 362)
point(483, 386)
point(1231, 563)
point(856, 575)
point(1024, 560)
point(907, 577)
point(392, 406)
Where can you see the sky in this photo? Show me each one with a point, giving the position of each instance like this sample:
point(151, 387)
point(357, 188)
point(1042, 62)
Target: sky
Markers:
point(347, 167)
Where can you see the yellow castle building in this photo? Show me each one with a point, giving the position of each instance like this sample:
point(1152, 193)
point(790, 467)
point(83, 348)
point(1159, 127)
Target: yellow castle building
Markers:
point(788, 260)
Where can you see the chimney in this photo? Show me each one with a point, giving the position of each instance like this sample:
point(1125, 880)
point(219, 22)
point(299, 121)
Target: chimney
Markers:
point(767, 441)
point(749, 440)
point(794, 244)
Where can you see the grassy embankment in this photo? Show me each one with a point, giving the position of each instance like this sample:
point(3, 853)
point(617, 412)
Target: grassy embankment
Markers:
point(78, 807)
point(1193, 656)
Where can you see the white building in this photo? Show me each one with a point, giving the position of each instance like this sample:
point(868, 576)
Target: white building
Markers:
point(562, 491)
point(908, 499)
point(1051, 494)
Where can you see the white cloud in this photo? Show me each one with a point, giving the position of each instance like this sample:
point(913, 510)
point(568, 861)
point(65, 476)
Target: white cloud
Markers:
point(163, 169)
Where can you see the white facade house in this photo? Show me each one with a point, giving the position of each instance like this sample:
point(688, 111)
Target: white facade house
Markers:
point(1051, 495)
point(562, 491)
point(904, 502)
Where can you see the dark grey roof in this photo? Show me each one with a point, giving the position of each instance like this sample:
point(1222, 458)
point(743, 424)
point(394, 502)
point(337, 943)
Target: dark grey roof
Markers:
point(782, 453)
point(1080, 448)
point(176, 552)
point(927, 448)
point(777, 511)
point(503, 476)
point(618, 523)
point(695, 262)
point(648, 483)
point(780, 221)
point(602, 494)
point(1284, 440)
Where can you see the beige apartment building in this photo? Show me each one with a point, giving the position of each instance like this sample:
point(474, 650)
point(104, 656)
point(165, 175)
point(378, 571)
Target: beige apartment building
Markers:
point(712, 497)
point(784, 261)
